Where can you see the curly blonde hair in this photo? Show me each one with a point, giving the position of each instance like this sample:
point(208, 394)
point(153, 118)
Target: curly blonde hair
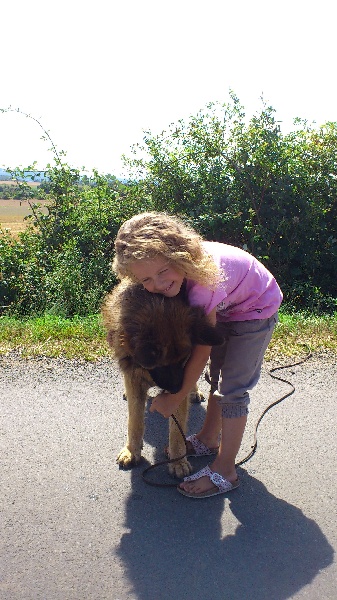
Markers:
point(152, 234)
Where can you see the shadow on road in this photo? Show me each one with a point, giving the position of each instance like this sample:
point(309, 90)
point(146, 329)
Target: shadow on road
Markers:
point(182, 548)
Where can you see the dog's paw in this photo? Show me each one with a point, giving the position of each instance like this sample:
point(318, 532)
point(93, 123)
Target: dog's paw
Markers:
point(127, 459)
point(196, 397)
point(180, 468)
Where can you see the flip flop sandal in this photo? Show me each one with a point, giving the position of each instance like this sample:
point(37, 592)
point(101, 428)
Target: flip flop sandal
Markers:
point(197, 449)
point(222, 485)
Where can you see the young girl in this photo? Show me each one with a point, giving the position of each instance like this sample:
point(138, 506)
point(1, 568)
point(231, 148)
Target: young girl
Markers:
point(240, 296)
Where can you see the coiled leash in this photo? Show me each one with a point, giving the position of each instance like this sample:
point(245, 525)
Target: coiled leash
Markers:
point(166, 462)
point(254, 446)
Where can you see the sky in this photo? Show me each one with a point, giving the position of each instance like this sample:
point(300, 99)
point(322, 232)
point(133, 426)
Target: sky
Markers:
point(97, 74)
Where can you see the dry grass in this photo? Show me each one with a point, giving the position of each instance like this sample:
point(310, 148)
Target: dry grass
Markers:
point(13, 182)
point(13, 213)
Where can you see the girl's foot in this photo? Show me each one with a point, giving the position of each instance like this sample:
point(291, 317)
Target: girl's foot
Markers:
point(203, 484)
point(206, 483)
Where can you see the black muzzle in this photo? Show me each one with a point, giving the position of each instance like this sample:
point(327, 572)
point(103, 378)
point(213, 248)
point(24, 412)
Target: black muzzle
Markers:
point(169, 378)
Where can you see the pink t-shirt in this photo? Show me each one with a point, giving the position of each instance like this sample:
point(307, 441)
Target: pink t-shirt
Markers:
point(248, 291)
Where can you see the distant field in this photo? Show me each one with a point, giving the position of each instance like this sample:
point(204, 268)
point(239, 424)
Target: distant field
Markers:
point(13, 182)
point(12, 214)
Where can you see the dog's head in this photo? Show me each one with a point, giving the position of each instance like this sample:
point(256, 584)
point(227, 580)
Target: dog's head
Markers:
point(158, 334)
point(166, 346)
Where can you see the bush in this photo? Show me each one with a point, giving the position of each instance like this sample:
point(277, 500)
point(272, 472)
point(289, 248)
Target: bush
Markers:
point(241, 183)
point(251, 186)
point(61, 264)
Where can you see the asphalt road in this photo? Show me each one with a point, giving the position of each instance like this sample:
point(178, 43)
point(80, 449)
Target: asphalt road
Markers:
point(75, 527)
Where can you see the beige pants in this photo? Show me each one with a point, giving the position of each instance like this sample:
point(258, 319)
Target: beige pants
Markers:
point(235, 366)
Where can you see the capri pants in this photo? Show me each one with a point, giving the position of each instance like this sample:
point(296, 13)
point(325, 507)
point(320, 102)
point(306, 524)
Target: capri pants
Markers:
point(235, 366)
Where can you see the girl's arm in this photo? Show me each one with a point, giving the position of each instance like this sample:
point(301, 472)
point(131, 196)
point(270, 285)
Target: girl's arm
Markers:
point(167, 403)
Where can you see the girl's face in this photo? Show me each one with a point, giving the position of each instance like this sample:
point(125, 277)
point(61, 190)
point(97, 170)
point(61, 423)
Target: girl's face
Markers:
point(157, 276)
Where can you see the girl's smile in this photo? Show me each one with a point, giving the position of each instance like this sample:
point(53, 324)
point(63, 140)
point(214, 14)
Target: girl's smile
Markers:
point(157, 276)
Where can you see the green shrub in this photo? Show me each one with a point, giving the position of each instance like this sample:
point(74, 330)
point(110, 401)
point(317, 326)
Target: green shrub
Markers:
point(61, 265)
point(249, 185)
point(241, 183)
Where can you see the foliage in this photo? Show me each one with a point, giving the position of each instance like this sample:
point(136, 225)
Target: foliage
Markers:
point(249, 185)
point(61, 264)
point(236, 181)
point(11, 191)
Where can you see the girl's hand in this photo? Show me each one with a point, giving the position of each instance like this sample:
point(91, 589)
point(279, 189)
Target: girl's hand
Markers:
point(165, 404)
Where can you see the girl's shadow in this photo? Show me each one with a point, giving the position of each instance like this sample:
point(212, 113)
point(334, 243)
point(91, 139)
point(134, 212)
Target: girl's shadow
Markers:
point(182, 548)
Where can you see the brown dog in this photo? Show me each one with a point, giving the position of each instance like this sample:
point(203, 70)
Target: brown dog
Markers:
point(152, 337)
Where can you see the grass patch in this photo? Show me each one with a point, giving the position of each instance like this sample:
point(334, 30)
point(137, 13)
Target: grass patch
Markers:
point(297, 330)
point(56, 337)
point(84, 338)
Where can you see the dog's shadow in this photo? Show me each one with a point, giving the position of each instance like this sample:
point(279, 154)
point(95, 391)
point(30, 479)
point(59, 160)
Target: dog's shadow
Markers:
point(250, 544)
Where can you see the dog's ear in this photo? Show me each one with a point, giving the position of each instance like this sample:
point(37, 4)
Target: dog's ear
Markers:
point(204, 333)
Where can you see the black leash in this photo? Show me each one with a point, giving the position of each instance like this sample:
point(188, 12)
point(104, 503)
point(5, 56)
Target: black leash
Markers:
point(166, 462)
point(254, 447)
